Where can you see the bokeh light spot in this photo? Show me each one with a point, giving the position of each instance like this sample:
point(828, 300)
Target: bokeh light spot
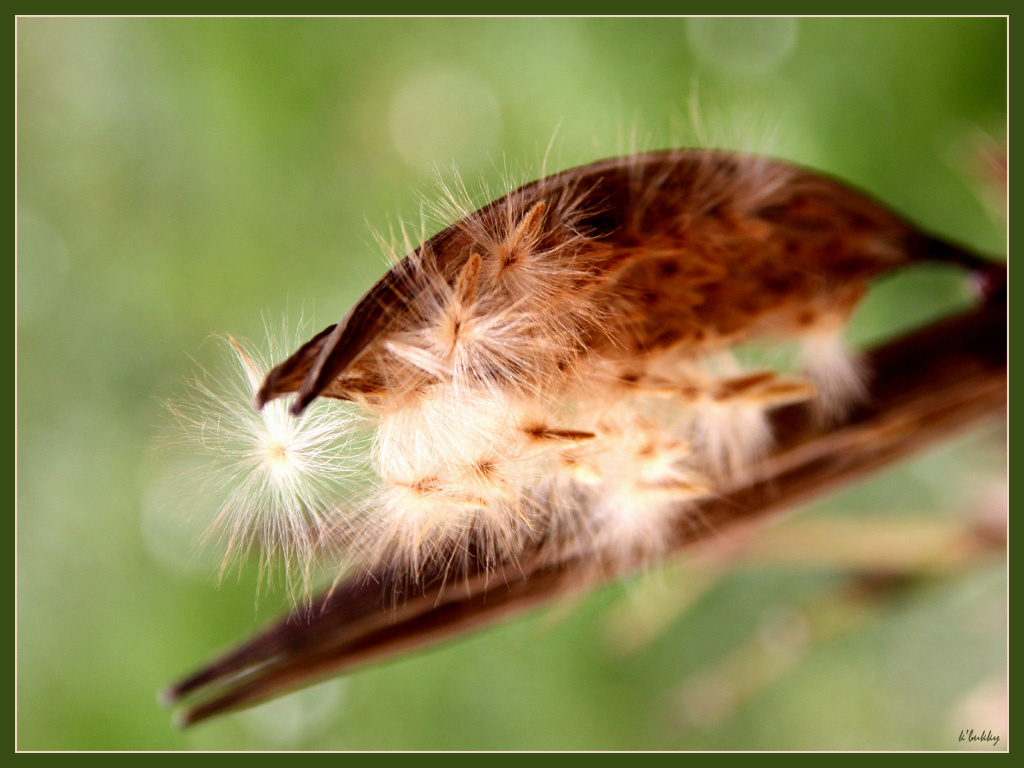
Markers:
point(444, 115)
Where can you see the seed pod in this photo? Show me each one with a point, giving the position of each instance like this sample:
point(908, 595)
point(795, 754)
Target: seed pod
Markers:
point(559, 360)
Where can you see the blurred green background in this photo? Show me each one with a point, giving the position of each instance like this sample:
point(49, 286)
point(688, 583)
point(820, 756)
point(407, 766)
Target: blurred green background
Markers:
point(182, 177)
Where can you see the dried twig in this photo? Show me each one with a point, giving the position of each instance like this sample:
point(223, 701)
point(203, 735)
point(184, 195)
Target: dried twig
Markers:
point(926, 386)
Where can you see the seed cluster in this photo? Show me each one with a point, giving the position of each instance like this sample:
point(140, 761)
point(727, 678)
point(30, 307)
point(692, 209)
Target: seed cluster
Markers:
point(558, 366)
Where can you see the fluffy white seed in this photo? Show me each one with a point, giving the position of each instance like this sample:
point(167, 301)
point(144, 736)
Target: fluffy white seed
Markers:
point(281, 485)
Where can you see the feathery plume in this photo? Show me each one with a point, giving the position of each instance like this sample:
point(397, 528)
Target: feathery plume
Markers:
point(282, 485)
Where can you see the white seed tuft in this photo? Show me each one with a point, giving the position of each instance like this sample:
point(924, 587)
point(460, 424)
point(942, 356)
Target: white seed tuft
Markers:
point(281, 485)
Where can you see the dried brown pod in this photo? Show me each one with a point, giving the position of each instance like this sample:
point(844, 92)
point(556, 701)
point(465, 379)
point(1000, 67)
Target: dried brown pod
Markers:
point(684, 250)
point(599, 302)
point(554, 398)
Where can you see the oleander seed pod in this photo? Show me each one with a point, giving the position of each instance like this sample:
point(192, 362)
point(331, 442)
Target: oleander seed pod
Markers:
point(557, 365)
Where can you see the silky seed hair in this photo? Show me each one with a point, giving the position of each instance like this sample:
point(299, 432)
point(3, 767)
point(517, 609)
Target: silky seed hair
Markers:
point(556, 368)
point(270, 483)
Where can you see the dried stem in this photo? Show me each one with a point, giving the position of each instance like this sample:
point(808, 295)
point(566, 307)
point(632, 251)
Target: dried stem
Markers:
point(926, 386)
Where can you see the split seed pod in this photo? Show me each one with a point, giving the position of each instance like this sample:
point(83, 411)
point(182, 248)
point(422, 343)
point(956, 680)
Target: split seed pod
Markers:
point(556, 366)
point(555, 401)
